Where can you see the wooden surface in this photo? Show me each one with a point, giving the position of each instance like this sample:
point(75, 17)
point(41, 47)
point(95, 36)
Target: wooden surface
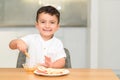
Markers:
point(75, 74)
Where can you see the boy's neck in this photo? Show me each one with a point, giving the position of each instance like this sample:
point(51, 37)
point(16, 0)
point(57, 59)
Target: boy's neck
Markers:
point(45, 38)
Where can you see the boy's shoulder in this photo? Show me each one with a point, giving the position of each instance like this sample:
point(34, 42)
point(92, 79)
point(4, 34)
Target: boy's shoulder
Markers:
point(29, 36)
point(57, 39)
point(32, 35)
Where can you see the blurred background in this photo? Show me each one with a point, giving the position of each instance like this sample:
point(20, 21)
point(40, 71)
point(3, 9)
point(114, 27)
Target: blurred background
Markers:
point(89, 29)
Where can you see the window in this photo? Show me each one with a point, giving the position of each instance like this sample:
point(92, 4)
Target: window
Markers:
point(23, 12)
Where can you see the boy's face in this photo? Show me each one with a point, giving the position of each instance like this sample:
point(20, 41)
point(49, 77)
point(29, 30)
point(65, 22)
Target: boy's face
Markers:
point(47, 25)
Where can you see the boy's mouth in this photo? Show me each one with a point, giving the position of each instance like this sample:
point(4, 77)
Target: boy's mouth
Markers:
point(47, 30)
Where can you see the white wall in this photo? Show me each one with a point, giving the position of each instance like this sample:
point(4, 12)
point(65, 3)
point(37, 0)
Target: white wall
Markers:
point(109, 30)
point(74, 38)
point(106, 18)
point(104, 29)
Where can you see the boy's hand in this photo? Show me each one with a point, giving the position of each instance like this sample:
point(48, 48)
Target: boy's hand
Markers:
point(21, 46)
point(48, 62)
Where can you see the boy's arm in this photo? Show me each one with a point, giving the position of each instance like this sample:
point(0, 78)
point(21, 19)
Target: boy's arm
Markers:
point(60, 63)
point(18, 44)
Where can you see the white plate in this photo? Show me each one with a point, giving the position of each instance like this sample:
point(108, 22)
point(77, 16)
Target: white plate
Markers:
point(43, 74)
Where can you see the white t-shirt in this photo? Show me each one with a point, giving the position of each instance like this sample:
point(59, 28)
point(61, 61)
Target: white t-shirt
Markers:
point(38, 48)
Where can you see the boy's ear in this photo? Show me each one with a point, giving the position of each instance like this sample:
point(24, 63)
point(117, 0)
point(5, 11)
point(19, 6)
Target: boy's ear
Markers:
point(58, 26)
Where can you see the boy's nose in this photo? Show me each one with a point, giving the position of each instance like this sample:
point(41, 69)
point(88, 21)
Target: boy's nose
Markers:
point(47, 25)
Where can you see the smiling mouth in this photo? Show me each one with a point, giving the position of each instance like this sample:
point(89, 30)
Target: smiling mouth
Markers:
point(48, 30)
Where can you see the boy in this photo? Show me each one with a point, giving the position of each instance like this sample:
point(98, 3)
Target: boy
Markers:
point(44, 49)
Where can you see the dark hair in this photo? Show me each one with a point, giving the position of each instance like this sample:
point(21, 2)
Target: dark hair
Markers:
point(50, 10)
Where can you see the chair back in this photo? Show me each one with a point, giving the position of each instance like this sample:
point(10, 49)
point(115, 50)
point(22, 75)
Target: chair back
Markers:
point(22, 58)
point(68, 59)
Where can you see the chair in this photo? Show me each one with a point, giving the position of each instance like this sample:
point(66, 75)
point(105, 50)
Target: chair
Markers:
point(68, 59)
point(21, 59)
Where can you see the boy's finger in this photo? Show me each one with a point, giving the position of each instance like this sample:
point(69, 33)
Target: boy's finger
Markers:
point(27, 54)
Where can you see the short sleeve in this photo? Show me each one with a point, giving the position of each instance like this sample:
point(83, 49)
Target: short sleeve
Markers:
point(27, 39)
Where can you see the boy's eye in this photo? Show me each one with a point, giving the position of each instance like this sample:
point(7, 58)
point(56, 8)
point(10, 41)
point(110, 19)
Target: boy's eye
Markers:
point(52, 22)
point(42, 21)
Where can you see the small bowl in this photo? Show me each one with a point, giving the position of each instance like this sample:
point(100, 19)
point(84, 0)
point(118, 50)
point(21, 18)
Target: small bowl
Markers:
point(29, 68)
